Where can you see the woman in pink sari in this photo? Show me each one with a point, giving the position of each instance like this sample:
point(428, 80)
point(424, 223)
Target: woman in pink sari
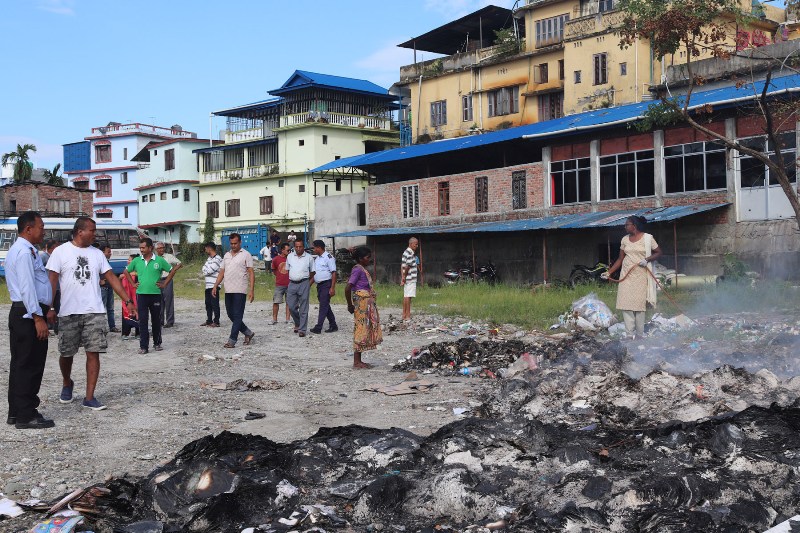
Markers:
point(360, 294)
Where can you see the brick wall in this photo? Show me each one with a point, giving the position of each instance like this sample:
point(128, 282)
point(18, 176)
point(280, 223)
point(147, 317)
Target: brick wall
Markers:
point(385, 204)
point(36, 196)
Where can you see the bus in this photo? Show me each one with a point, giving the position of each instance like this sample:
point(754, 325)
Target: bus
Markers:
point(121, 236)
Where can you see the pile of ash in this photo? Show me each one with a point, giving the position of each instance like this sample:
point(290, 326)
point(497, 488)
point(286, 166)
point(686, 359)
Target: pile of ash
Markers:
point(735, 473)
point(449, 358)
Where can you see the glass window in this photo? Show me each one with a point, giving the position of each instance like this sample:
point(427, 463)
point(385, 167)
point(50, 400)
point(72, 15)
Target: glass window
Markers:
point(696, 166)
point(466, 108)
point(570, 181)
point(444, 198)
point(756, 174)
point(503, 101)
point(627, 175)
point(438, 113)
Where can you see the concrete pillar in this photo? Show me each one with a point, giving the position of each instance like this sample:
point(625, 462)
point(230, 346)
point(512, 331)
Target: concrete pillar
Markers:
point(594, 169)
point(546, 157)
point(658, 164)
point(731, 175)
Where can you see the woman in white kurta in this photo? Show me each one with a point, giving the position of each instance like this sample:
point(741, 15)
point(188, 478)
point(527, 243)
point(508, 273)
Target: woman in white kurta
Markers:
point(636, 286)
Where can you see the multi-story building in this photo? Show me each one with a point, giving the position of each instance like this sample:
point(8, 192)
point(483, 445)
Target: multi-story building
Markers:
point(103, 162)
point(260, 175)
point(551, 58)
point(168, 196)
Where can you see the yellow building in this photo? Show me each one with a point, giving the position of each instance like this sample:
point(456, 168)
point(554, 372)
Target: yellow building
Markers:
point(260, 175)
point(504, 68)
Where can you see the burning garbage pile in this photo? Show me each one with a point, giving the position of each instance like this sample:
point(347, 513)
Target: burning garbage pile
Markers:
point(585, 437)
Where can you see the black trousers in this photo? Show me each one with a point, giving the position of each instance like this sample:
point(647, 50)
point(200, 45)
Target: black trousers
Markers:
point(325, 311)
point(149, 304)
point(28, 356)
point(212, 307)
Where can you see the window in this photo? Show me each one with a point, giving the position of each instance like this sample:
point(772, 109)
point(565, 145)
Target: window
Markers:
point(169, 159)
point(174, 193)
point(186, 195)
point(125, 154)
point(58, 206)
point(438, 113)
point(102, 153)
point(301, 142)
point(80, 185)
point(326, 189)
point(153, 197)
point(755, 173)
point(103, 187)
point(163, 195)
point(301, 188)
point(466, 108)
point(232, 208)
point(570, 181)
point(234, 158)
point(126, 211)
point(623, 69)
point(281, 183)
point(519, 198)
point(481, 194)
point(694, 167)
point(541, 73)
point(577, 76)
point(503, 101)
point(550, 31)
point(265, 204)
point(628, 175)
point(551, 106)
point(561, 69)
point(103, 214)
point(324, 139)
point(338, 184)
point(606, 5)
point(123, 177)
point(444, 198)
point(212, 209)
point(213, 161)
point(361, 214)
point(144, 198)
point(409, 200)
point(600, 70)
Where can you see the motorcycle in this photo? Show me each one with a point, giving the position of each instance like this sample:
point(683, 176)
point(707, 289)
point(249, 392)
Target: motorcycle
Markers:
point(484, 273)
point(582, 274)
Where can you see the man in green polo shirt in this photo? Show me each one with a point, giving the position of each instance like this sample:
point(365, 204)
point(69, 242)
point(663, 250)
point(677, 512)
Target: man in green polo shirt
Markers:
point(148, 268)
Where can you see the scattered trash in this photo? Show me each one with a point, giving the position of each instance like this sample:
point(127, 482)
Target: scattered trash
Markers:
point(617, 330)
point(471, 370)
point(671, 324)
point(254, 416)
point(525, 362)
point(245, 385)
point(58, 524)
point(459, 411)
point(410, 385)
point(10, 508)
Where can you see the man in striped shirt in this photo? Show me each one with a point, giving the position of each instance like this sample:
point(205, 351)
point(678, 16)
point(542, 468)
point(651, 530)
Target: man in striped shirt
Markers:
point(210, 273)
point(409, 267)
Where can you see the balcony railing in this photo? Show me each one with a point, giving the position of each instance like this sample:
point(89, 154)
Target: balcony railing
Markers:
point(143, 128)
point(341, 119)
point(252, 134)
point(238, 173)
point(591, 24)
point(143, 164)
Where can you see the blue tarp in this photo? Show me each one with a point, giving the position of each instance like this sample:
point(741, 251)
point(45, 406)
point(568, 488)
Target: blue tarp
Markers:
point(720, 97)
point(602, 219)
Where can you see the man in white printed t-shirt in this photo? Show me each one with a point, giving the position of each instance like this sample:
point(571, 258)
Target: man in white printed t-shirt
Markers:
point(76, 266)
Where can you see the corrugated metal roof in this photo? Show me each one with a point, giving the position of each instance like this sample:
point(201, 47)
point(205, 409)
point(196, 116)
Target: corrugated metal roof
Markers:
point(723, 96)
point(601, 219)
point(304, 78)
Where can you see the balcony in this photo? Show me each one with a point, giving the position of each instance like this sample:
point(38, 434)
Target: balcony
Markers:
point(339, 119)
point(591, 24)
point(115, 129)
point(450, 63)
point(216, 176)
point(142, 164)
point(266, 131)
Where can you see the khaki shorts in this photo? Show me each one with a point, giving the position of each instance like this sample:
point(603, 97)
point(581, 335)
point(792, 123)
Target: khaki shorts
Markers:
point(410, 289)
point(279, 295)
point(88, 331)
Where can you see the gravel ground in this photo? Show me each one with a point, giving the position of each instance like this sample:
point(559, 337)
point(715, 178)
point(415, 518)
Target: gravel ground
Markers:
point(159, 402)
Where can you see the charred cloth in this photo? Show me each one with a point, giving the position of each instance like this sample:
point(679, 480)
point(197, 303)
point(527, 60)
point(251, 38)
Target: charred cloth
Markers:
point(735, 473)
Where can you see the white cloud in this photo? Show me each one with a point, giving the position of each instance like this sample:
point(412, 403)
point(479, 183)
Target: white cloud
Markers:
point(58, 7)
point(383, 65)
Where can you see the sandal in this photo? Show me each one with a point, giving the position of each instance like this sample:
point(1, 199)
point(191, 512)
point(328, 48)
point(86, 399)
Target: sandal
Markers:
point(248, 338)
point(228, 345)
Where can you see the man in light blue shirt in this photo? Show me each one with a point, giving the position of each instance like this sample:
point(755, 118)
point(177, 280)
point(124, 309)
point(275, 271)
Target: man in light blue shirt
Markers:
point(325, 277)
point(31, 295)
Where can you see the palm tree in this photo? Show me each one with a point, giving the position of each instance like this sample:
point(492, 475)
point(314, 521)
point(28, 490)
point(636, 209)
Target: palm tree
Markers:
point(53, 177)
point(21, 161)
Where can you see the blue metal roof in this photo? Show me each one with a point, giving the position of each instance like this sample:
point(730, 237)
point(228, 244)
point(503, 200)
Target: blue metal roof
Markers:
point(303, 78)
point(255, 106)
point(601, 219)
point(570, 124)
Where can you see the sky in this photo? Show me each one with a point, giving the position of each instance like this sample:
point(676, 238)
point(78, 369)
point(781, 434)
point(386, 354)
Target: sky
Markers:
point(72, 65)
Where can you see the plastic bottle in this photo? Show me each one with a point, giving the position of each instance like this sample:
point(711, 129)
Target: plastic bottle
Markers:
point(471, 370)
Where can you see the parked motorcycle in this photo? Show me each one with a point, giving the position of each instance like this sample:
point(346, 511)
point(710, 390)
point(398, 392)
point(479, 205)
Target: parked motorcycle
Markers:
point(483, 273)
point(582, 274)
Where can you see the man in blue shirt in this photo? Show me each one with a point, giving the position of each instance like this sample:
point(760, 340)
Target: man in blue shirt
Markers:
point(31, 296)
point(325, 277)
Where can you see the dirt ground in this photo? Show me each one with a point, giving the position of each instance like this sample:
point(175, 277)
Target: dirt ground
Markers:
point(159, 402)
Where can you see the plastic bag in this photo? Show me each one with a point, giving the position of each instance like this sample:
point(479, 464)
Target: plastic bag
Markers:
point(594, 310)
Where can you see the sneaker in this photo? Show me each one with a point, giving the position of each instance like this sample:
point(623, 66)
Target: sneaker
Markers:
point(66, 393)
point(157, 348)
point(94, 404)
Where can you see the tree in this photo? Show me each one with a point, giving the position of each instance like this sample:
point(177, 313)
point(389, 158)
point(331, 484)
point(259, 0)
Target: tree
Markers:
point(53, 177)
point(709, 28)
point(208, 230)
point(23, 169)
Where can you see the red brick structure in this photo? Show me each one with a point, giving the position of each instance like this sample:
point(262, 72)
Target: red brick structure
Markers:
point(49, 200)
